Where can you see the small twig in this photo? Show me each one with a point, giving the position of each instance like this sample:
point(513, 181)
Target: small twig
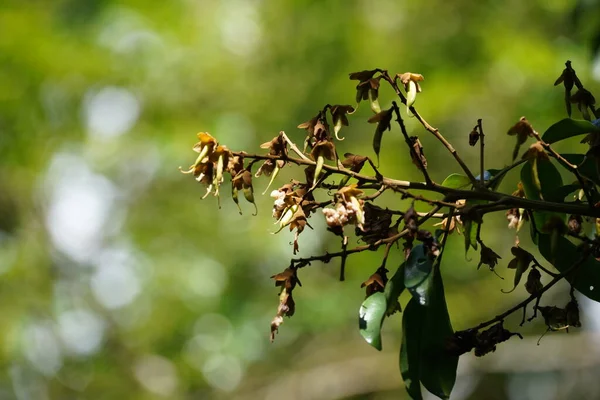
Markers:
point(430, 128)
point(344, 257)
point(294, 147)
point(535, 296)
point(571, 167)
point(540, 266)
point(302, 262)
point(416, 157)
point(503, 172)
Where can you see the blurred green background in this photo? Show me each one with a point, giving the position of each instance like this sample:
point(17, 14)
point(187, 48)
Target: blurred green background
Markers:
point(118, 282)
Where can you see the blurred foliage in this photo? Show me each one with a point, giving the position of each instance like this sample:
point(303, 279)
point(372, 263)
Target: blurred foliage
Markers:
point(118, 282)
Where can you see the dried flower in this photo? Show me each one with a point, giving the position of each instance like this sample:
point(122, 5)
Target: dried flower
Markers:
point(367, 88)
point(411, 86)
point(584, 100)
point(339, 118)
point(522, 130)
point(488, 257)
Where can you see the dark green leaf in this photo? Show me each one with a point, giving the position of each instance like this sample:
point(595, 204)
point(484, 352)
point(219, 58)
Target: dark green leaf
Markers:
point(423, 353)
point(470, 232)
point(540, 178)
point(499, 174)
point(456, 181)
point(587, 166)
point(410, 348)
point(560, 193)
point(371, 314)
point(567, 128)
point(393, 289)
point(520, 267)
point(587, 277)
point(417, 274)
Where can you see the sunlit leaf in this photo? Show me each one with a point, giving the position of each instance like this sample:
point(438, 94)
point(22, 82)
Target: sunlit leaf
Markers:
point(456, 181)
point(410, 347)
point(371, 314)
point(567, 128)
point(423, 352)
point(586, 165)
point(417, 274)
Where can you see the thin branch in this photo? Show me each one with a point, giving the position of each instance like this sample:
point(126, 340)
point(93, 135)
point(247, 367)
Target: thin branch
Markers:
point(540, 266)
point(416, 157)
point(531, 298)
point(430, 128)
point(302, 262)
point(294, 147)
point(571, 167)
point(452, 194)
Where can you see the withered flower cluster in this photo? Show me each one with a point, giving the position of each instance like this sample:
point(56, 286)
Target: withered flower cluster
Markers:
point(287, 280)
point(348, 209)
point(292, 206)
point(557, 318)
point(582, 97)
point(212, 162)
point(462, 199)
point(483, 342)
point(271, 167)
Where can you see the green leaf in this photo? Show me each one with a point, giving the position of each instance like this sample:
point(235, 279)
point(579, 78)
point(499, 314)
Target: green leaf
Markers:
point(417, 274)
point(456, 181)
point(586, 165)
point(499, 174)
point(567, 128)
point(520, 265)
point(559, 194)
point(371, 314)
point(423, 353)
point(410, 361)
point(470, 232)
point(540, 179)
point(587, 277)
point(378, 306)
point(393, 289)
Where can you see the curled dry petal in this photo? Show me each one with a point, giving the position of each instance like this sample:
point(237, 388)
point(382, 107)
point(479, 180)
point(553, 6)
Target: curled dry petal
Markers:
point(339, 118)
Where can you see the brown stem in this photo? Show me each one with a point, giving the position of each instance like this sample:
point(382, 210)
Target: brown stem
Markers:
point(452, 194)
point(416, 157)
point(528, 300)
point(571, 167)
point(430, 128)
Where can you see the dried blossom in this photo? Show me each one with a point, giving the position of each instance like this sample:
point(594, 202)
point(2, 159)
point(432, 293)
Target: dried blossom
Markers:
point(339, 118)
point(367, 88)
point(522, 130)
point(411, 86)
point(584, 100)
point(376, 282)
point(488, 257)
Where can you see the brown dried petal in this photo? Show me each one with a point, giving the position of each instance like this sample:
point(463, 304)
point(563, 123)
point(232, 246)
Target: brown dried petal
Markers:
point(363, 75)
point(354, 162)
